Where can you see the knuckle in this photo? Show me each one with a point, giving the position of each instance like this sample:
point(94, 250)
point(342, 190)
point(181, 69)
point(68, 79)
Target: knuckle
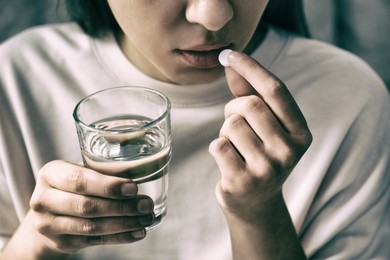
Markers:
point(233, 122)
point(287, 155)
point(275, 87)
point(303, 141)
point(37, 202)
point(220, 146)
point(229, 107)
point(307, 139)
point(251, 103)
point(52, 164)
point(42, 175)
point(264, 172)
point(125, 208)
point(235, 185)
point(90, 227)
point(76, 181)
point(225, 189)
point(87, 207)
point(244, 105)
point(289, 158)
point(44, 172)
point(223, 196)
point(42, 225)
point(110, 188)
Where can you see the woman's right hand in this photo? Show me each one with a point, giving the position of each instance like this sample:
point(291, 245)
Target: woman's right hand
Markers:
point(74, 207)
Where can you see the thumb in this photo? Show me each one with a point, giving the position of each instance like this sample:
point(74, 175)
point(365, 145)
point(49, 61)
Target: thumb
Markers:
point(238, 85)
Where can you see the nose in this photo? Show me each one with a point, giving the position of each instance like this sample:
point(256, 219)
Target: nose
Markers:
point(212, 14)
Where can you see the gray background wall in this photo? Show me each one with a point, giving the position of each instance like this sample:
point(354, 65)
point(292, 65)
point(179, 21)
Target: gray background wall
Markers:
point(360, 26)
point(17, 15)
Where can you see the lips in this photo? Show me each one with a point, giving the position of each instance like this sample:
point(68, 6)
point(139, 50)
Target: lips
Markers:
point(202, 56)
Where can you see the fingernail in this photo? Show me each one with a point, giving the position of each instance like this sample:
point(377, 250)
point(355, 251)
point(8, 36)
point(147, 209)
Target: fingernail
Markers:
point(145, 206)
point(138, 233)
point(129, 189)
point(146, 220)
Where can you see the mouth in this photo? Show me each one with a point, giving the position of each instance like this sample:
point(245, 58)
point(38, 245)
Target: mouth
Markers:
point(202, 57)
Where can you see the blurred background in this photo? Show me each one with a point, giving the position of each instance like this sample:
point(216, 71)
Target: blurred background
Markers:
point(360, 26)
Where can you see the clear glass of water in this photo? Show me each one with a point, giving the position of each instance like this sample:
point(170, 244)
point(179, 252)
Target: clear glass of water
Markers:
point(126, 132)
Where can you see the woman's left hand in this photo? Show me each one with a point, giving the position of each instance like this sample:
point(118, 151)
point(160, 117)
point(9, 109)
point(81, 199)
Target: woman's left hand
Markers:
point(262, 139)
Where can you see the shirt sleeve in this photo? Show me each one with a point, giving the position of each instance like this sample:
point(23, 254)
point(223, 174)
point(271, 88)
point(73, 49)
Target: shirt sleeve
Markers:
point(349, 217)
point(8, 218)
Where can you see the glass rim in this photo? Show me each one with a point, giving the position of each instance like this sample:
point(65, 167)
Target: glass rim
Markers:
point(147, 125)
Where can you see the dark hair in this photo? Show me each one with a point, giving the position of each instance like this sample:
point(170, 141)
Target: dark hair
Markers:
point(288, 15)
point(96, 18)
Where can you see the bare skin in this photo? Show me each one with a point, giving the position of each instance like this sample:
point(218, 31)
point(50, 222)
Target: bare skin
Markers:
point(263, 137)
point(73, 207)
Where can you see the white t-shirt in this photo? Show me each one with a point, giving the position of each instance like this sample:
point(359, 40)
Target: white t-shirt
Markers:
point(337, 195)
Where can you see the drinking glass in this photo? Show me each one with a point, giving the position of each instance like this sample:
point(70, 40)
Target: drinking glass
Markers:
point(126, 132)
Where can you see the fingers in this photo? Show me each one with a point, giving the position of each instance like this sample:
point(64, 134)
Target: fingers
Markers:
point(73, 243)
point(74, 207)
point(238, 177)
point(239, 86)
point(243, 138)
point(235, 151)
point(79, 180)
point(67, 225)
point(60, 242)
point(230, 163)
point(65, 203)
point(260, 119)
point(68, 196)
point(271, 89)
point(273, 152)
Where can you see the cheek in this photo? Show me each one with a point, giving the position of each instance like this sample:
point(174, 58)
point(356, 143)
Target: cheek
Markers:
point(147, 29)
point(252, 13)
point(140, 15)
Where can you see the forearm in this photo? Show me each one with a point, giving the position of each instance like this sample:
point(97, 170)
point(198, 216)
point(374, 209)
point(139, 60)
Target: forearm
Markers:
point(27, 243)
point(270, 236)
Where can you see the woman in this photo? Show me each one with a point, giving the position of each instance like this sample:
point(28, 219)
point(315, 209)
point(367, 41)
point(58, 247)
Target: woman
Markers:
point(334, 193)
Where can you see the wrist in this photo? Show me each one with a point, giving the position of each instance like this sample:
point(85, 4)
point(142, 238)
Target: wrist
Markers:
point(256, 210)
point(268, 233)
point(27, 243)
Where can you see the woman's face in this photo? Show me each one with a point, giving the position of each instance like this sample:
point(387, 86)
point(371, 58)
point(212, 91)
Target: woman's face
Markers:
point(178, 41)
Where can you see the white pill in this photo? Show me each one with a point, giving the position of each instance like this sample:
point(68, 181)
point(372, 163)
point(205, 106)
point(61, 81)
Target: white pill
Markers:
point(223, 57)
